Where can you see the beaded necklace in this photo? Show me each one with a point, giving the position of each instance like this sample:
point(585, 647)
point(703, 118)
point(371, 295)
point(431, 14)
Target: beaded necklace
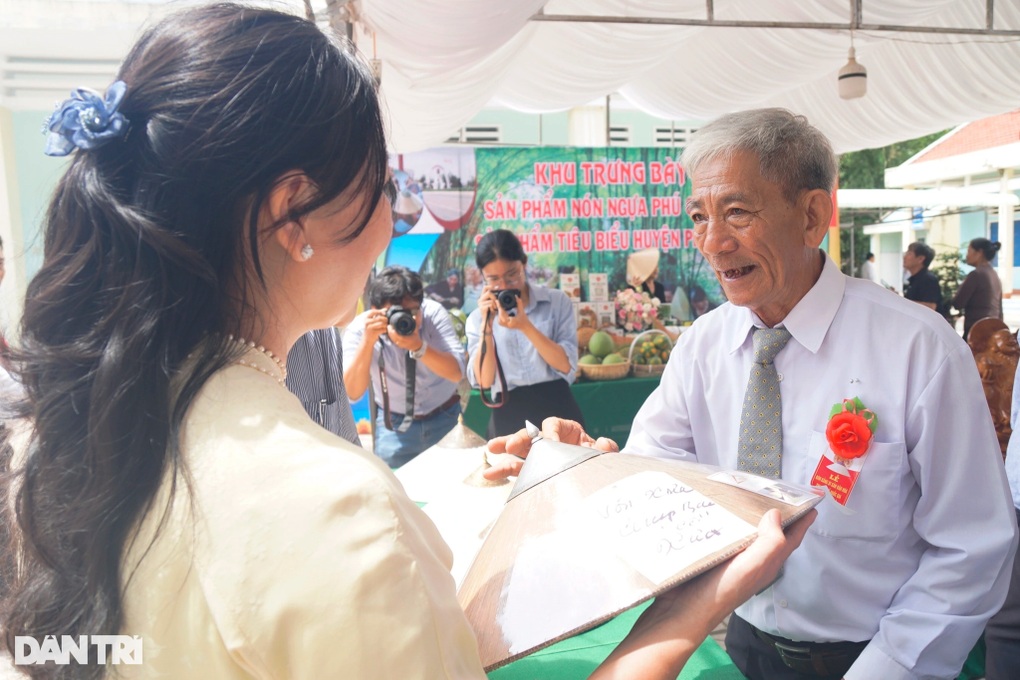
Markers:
point(279, 375)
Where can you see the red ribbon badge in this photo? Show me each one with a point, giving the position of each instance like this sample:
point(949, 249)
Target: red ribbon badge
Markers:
point(849, 433)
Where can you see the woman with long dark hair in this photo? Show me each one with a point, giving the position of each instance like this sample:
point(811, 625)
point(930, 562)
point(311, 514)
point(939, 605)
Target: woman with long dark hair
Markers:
point(532, 332)
point(980, 294)
point(224, 198)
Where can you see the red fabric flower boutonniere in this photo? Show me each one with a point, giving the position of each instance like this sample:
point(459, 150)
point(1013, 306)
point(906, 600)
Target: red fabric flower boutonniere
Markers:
point(848, 433)
point(850, 428)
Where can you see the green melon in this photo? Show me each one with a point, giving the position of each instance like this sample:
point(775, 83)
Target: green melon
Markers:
point(601, 343)
point(589, 360)
point(613, 358)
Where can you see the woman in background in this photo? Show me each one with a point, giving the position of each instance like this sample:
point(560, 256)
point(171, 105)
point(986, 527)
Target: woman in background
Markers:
point(230, 185)
point(980, 294)
point(643, 273)
point(534, 336)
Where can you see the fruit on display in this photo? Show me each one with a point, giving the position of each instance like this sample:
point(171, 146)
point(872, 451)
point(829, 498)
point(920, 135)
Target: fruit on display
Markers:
point(589, 360)
point(652, 350)
point(613, 358)
point(601, 344)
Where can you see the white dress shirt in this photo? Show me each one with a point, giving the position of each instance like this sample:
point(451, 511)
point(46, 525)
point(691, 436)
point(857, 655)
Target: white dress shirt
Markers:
point(919, 558)
point(869, 272)
point(1013, 448)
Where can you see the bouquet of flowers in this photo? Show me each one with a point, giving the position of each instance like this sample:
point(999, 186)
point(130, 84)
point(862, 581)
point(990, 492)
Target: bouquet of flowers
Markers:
point(635, 311)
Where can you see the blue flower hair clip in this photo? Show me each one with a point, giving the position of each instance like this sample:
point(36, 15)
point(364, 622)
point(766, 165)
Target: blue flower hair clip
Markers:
point(86, 121)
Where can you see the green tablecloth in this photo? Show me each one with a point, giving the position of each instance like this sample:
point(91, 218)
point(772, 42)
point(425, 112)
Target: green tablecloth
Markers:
point(575, 658)
point(609, 406)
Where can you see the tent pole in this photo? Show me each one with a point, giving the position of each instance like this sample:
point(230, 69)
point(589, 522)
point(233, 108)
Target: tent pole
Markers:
point(609, 138)
point(815, 25)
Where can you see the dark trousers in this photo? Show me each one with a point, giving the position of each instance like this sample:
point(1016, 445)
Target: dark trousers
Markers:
point(1002, 636)
point(757, 659)
point(534, 403)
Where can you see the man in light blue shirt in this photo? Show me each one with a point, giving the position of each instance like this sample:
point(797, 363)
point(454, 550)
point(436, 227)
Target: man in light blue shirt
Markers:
point(414, 360)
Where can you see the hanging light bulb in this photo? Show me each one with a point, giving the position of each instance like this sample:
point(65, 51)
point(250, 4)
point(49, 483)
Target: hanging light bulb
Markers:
point(853, 77)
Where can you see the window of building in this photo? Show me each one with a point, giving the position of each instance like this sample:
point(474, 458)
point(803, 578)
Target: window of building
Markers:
point(619, 135)
point(673, 136)
point(478, 134)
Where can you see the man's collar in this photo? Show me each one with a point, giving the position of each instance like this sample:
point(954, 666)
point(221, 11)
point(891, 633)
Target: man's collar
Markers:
point(809, 320)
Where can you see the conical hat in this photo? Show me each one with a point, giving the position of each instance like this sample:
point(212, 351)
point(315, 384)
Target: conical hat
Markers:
point(461, 437)
point(585, 536)
point(641, 264)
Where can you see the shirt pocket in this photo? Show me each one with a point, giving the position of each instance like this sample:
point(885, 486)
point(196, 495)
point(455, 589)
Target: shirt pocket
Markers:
point(873, 510)
point(544, 323)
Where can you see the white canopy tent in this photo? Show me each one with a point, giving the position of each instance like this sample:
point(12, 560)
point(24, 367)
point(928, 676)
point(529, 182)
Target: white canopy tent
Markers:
point(444, 60)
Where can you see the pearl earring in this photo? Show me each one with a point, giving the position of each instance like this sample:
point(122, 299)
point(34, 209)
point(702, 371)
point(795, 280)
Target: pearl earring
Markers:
point(307, 252)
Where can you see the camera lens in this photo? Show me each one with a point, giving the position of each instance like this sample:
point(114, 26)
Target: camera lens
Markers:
point(402, 320)
point(507, 298)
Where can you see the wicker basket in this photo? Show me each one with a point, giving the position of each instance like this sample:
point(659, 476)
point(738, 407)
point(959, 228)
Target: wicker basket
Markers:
point(604, 371)
point(645, 370)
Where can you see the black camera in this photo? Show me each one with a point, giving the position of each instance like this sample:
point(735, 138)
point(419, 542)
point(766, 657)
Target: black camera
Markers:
point(403, 321)
point(507, 299)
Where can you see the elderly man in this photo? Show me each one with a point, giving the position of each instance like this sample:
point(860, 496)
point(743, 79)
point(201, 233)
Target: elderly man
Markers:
point(900, 571)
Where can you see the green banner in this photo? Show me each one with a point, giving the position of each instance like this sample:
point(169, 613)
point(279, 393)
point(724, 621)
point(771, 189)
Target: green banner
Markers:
point(576, 210)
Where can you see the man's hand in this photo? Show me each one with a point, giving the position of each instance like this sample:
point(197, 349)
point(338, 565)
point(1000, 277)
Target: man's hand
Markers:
point(507, 453)
point(376, 324)
point(410, 342)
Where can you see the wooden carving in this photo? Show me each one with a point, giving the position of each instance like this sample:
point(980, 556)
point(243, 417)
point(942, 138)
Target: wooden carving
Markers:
point(996, 352)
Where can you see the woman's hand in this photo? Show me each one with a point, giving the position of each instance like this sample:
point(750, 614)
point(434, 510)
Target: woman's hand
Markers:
point(489, 307)
point(518, 322)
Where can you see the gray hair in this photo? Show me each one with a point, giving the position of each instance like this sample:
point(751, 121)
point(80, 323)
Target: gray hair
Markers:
point(791, 152)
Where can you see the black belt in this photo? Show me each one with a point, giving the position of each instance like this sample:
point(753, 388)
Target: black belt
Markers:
point(454, 398)
point(823, 659)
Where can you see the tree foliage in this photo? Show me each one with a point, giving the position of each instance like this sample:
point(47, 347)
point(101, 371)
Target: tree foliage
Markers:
point(947, 268)
point(865, 169)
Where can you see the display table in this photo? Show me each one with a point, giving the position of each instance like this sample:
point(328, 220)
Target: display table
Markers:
point(577, 657)
point(464, 513)
point(609, 406)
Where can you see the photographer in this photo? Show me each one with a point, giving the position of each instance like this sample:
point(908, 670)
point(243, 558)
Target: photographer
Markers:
point(531, 329)
point(409, 348)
